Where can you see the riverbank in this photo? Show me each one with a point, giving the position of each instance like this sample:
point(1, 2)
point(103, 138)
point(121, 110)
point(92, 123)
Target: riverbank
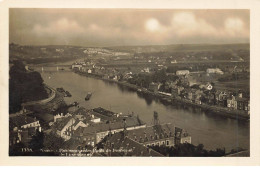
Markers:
point(225, 112)
point(52, 94)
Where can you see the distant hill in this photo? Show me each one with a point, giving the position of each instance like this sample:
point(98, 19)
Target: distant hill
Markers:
point(63, 53)
point(182, 47)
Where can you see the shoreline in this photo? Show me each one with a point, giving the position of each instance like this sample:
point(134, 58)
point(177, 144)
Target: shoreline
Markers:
point(169, 100)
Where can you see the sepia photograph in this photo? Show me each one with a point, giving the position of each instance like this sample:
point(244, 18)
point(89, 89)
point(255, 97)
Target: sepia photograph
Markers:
point(138, 82)
point(134, 82)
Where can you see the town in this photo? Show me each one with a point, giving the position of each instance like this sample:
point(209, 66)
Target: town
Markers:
point(101, 132)
point(129, 82)
point(201, 85)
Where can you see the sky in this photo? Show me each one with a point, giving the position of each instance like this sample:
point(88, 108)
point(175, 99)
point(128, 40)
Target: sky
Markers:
point(126, 27)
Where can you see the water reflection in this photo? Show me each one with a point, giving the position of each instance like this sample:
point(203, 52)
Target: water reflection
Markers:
point(148, 99)
point(205, 127)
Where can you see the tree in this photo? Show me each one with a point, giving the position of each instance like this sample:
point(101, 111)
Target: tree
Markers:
point(188, 150)
point(24, 86)
point(37, 141)
point(52, 142)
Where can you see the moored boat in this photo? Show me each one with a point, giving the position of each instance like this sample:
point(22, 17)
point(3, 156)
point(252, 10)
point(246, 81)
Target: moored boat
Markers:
point(88, 96)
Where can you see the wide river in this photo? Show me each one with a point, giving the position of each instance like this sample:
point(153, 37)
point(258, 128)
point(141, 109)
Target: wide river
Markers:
point(211, 130)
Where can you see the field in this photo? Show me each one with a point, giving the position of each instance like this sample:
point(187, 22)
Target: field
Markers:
point(234, 85)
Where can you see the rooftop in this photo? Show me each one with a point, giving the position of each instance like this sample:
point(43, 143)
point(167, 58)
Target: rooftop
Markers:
point(127, 146)
point(104, 112)
point(102, 127)
point(152, 133)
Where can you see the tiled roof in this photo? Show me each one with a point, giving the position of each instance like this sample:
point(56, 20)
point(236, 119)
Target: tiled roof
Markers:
point(119, 142)
point(60, 125)
point(80, 111)
point(104, 112)
point(102, 127)
point(152, 133)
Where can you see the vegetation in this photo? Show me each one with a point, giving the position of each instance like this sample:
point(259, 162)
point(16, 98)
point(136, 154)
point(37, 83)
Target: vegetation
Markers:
point(235, 77)
point(24, 86)
point(143, 80)
point(52, 142)
point(188, 150)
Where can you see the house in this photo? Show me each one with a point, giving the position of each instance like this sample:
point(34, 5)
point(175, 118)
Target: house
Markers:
point(22, 129)
point(221, 98)
point(182, 72)
point(76, 66)
point(64, 127)
point(59, 117)
point(194, 95)
point(232, 103)
point(214, 70)
point(176, 91)
point(95, 119)
point(23, 122)
point(154, 87)
point(89, 71)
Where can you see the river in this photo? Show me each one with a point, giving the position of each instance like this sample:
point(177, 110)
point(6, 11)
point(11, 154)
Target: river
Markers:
point(211, 130)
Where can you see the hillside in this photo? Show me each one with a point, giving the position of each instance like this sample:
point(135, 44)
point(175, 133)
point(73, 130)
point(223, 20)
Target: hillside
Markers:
point(24, 86)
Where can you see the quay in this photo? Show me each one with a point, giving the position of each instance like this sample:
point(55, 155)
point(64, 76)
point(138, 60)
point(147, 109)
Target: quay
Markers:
point(234, 114)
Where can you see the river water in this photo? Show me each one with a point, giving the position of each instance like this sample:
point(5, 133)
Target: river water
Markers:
point(211, 130)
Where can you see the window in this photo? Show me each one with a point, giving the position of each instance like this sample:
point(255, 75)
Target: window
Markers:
point(167, 142)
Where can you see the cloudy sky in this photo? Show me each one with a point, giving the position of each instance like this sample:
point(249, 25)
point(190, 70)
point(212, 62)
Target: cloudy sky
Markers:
point(114, 27)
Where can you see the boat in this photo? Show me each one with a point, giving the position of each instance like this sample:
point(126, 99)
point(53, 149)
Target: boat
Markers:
point(68, 94)
point(88, 96)
point(60, 90)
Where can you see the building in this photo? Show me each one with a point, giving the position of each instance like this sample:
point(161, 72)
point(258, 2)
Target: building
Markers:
point(154, 135)
point(119, 144)
point(194, 95)
point(23, 122)
point(176, 91)
point(89, 71)
point(104, 114)
point(181, 136)
point(94, 133)
point(214, 70)
point(154, 87)
point(64, 126)
point(232, 103)
point(221, 98)
point(182, 72)
point(76, 66)
point(22, 129)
